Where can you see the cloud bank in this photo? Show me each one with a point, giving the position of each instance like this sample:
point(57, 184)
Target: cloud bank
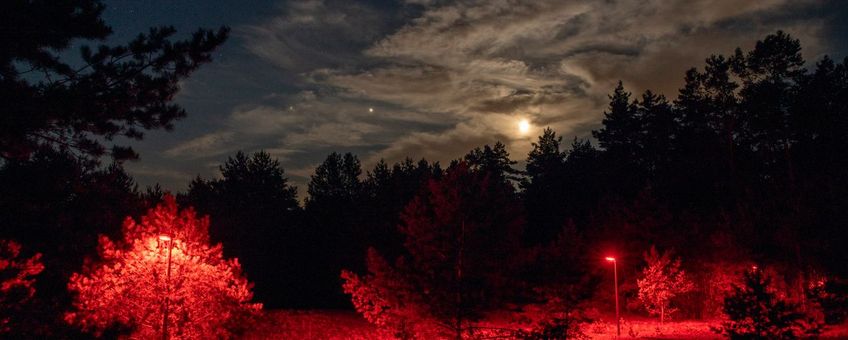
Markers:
point(434, 79)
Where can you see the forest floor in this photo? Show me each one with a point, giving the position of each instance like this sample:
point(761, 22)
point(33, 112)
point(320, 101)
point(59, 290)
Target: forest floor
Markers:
point(337, 325)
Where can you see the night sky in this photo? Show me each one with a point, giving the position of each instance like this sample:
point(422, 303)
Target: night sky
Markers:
point(433, 79)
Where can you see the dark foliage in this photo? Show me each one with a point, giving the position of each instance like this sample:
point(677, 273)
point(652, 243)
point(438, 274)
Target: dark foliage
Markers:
point(831, 296)
point(494, 160)
point(346, 214)
point(462, 236)
point(255, 214)
point(756, 311)
point(544, 187)
point(49, 102)
point(57, 205)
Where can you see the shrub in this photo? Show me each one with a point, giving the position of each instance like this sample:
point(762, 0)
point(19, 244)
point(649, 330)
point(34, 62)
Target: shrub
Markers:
point(755, 310)
point(831, 295)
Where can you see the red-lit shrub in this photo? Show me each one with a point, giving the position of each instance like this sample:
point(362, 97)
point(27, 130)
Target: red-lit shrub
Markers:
point(17, 278)
point(831, 296)
point(756, 311)
point(386, 299)
point(716, 282)
point(205, 295)
point(559, 317)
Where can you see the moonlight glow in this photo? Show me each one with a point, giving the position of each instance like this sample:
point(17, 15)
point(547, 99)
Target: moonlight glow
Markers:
point(524, 126)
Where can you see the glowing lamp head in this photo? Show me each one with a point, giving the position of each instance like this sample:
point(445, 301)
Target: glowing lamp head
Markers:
point(164, 238)
point(610, 259)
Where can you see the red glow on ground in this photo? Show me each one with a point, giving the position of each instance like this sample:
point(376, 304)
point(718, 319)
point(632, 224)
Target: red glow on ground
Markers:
point(331, 325)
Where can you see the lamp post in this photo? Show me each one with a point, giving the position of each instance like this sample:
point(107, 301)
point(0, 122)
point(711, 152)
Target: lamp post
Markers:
point(615, 276)
point(167, 239)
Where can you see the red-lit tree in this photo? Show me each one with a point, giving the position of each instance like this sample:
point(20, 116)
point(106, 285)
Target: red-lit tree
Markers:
point(17, 278)
point(662, 279)
point(462, 236)
point(386, 299)
point(163, 271)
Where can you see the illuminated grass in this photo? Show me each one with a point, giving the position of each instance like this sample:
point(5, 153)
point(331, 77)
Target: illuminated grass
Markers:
point(332, 325)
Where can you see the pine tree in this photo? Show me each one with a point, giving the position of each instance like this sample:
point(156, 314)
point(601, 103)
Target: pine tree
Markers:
point(756, 311)
point(336, 228)
point(494, 160)
point(49, 101)
point(336, 180)
point(544, 188)
point(254, 214)
point(622, 127)
point(461, 233)
point(163, 271)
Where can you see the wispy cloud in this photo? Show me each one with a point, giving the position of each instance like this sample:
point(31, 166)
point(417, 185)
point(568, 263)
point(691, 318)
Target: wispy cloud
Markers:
point(481, 65)
point(435, 79)
point(210, 144)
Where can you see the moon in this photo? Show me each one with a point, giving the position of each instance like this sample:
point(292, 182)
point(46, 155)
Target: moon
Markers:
point(524, 126)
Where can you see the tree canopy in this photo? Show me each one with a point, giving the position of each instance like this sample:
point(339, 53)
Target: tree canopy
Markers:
point(47, 100)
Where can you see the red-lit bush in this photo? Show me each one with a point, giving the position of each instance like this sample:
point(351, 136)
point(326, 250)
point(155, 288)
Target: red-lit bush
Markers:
point(205, 295)
point(831, 296)
point(17, 278)
point(386, 299)
point(756, 311)
point(559, 317)
point(715, 282)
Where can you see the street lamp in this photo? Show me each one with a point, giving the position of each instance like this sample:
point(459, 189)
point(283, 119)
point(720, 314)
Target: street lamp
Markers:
point(167, 239)
point(615, 275)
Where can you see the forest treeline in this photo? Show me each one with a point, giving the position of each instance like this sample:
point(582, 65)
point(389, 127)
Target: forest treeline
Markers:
point(745, 166)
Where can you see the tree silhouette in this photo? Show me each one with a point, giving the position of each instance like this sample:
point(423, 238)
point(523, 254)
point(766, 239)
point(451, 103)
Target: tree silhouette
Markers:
point(55, 204)
point(494, 160)
point(48, 101)
point(388, 191)
point(335, 226)
point(620, 132)
point(544, 188)
point(459, 233)
point(755, 311)
point(336, 181)
point(255, 215)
